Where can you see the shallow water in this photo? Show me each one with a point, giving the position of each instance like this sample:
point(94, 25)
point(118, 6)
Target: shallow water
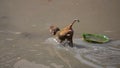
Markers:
point(95, 55)
point(25, 41)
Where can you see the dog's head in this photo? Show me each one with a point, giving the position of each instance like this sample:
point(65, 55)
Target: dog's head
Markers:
point(54, 30)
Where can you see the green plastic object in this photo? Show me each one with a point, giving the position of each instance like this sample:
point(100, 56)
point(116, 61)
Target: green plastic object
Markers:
point(95, 38)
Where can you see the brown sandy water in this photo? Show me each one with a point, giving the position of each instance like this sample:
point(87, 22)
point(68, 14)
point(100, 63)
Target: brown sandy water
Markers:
point(25, 41)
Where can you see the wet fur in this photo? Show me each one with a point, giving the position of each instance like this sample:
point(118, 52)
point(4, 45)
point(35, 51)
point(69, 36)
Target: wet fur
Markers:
point(63, 34)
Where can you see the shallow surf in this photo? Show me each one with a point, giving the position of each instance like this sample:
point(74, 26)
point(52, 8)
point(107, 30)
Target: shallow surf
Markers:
point(93, 54)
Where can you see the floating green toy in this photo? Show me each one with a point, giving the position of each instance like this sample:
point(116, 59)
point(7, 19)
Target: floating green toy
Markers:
point(95, 38)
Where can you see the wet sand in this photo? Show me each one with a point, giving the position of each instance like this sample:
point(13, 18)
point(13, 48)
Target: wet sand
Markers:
point(24, 29)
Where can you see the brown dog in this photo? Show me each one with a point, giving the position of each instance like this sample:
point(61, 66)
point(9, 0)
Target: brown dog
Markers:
point(64, 34)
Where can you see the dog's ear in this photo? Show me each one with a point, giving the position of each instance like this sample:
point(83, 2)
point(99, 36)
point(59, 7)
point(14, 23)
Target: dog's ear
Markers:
point(54, 30)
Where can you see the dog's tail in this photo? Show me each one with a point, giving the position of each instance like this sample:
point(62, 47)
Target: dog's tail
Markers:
point(76, 20)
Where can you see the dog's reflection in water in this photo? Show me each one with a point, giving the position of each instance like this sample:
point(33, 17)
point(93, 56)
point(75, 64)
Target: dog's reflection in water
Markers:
point(64, 35)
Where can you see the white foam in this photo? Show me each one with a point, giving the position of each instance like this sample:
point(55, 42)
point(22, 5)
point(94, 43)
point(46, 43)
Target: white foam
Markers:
point(78, 56)
point(51, 41)
point(94, 55)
